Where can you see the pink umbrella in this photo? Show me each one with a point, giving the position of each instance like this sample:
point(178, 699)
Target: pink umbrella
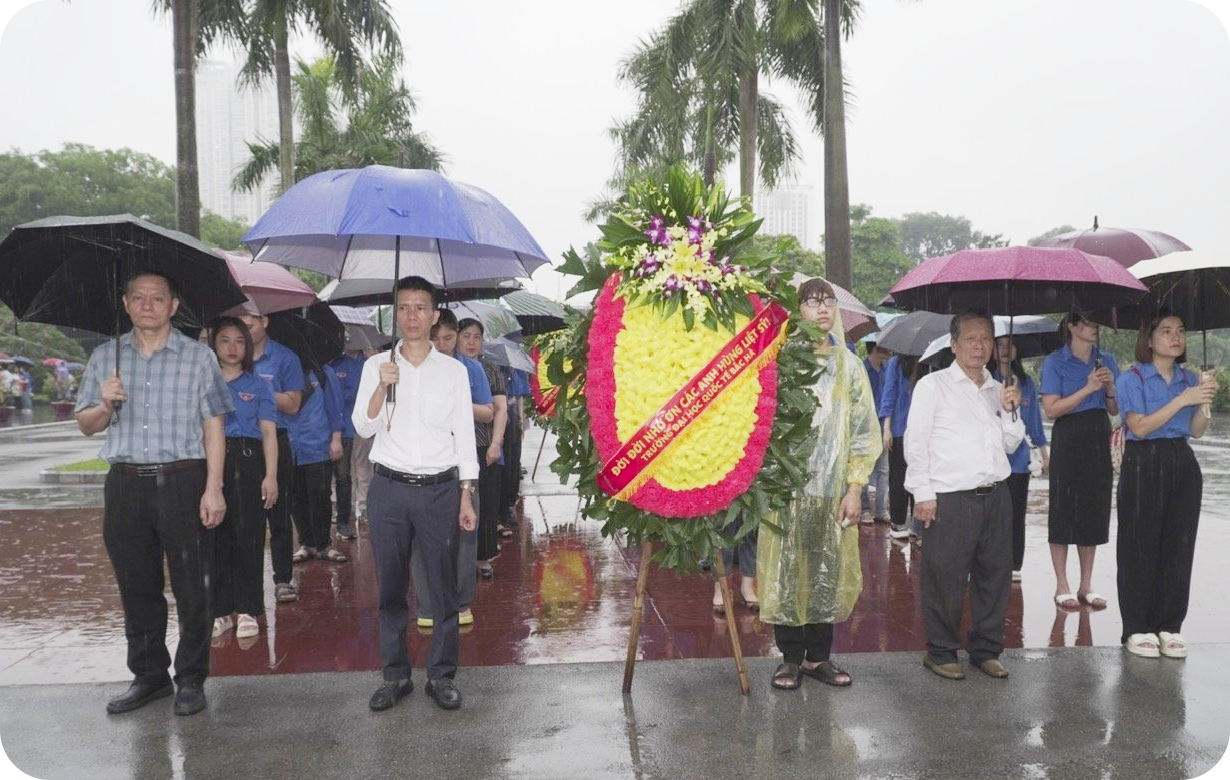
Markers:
point(1126, 245)
point(53, 362)
point(1017, 280)
point(270, 288)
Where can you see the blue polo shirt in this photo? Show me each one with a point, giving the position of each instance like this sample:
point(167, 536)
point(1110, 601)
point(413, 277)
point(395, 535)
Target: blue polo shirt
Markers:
point(518, 383)
point(480, 388)
point(320, 415)
point(895, 397)
point(1064, 373)
point(348, 370)
point(1031, 414)
point(876, 377)
point(253, 403)
point(280, 367)
point(1142, 390)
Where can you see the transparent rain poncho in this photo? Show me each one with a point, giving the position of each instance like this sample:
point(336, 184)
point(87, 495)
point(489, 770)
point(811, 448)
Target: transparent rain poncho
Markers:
point(811, 573)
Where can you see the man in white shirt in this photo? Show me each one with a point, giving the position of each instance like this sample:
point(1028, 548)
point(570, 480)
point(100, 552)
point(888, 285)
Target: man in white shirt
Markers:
point(960, 432)
point(424, 443)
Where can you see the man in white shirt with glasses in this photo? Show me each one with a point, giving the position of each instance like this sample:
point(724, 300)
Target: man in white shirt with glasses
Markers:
point(962, 427)
point(421, 494)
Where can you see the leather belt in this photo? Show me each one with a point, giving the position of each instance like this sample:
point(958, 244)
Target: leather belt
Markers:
point(415, 479)
point(158, 469)
point(984, 490)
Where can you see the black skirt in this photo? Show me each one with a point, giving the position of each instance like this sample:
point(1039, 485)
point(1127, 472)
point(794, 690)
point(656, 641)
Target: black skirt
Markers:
point(1081, 479)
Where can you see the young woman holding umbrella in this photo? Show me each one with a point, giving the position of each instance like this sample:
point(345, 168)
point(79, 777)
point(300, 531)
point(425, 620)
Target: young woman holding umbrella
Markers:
point(1077, 392)
point(1160, 486)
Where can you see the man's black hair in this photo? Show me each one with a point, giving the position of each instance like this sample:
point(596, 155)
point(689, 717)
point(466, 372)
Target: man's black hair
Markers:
point(417, 283)
point(150, 272)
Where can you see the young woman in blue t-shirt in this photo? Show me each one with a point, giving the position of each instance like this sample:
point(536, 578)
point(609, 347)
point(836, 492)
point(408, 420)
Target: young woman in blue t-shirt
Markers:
point(1160, 488)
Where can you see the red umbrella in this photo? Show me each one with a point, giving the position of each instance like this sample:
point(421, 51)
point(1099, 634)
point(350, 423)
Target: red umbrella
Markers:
point(1127, 245)
point(1017, 280)
point(53, 362)
point(270, 288)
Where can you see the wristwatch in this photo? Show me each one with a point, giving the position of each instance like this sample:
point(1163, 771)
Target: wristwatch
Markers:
point(468, 486)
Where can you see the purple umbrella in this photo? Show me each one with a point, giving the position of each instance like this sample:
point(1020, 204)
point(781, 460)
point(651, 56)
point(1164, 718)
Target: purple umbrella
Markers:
point(1017, 280)
point(1126, 245)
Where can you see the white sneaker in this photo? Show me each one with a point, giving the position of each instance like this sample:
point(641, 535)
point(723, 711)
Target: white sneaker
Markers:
point(222, 625)
point(1016, 575)
point(899, 532)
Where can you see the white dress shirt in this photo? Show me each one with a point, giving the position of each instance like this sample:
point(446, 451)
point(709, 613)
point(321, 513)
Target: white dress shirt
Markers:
point(958, 436)
point(432, 426)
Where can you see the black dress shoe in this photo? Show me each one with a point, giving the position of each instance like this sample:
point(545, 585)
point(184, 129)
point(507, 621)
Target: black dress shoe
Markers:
point(389, 693)
point(189, 699)
point(445, 692)
point(138, 695)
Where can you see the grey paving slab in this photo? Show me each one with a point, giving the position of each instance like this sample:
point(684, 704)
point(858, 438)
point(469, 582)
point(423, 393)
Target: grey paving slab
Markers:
point(1063, 714)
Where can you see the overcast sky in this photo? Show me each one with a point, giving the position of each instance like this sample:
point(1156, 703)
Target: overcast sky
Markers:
point(1021, 115)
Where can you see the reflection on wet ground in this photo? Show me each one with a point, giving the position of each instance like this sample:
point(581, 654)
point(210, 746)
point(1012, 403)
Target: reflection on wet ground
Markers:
point(561, 593)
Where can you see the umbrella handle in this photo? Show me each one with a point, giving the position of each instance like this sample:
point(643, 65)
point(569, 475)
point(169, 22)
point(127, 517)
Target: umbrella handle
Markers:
point(390, 396)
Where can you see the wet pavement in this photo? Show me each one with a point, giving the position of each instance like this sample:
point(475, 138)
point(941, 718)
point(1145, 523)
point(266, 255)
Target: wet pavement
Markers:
point(562, 597)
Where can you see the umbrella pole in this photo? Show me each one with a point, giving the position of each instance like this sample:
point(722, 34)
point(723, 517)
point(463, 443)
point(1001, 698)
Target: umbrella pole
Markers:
point(392, 394)
point(1009, 377)
point(115, 294)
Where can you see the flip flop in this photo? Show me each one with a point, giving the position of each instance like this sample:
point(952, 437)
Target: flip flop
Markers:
point(787, 677)
point(1062, 600)
point(828, 673)
point(1094, 600)
point(332, 556)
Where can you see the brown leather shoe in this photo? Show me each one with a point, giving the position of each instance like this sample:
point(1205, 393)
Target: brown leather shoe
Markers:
point(994, 668)
point(949, 671)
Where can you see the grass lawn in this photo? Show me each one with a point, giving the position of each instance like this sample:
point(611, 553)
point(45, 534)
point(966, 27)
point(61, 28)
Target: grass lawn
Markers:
point(96, 464)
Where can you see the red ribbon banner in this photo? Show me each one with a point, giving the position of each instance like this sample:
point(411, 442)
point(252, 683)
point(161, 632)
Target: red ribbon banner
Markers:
point(623, 471)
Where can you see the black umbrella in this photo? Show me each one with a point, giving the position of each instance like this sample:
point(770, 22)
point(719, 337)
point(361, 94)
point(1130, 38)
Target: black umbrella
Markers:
point(69, 271)
point(314, 333)
point(912, 333)
point(535, 313)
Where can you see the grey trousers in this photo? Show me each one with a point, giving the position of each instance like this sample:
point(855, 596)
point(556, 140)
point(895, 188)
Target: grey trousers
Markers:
point(404, 518)
point(968, 545)
point(467, 561)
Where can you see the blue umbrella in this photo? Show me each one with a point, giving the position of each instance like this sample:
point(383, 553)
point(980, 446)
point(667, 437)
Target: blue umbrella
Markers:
point(380, 222)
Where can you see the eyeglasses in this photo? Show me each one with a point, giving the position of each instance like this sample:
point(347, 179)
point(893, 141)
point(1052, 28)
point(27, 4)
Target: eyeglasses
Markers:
point(816, 303)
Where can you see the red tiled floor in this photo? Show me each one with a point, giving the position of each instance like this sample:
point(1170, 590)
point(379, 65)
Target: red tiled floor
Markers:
point(562, 593)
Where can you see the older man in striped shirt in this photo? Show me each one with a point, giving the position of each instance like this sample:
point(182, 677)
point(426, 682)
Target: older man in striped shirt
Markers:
point(166, 444)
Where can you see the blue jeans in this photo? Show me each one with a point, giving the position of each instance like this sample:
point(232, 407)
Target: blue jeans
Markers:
point(879, 481)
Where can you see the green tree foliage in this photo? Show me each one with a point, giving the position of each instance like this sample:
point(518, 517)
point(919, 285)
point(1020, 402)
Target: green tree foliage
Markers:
point(345, 27)
point(80, 180)
point(788, 255)
point(1050, 234)
point(221, 232)
point(341, 129)
point(698, 96)
point(877, 258)
point(36, 341)
point(933, 234)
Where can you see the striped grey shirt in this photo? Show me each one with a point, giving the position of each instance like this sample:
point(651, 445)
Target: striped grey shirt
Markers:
point(170, 395)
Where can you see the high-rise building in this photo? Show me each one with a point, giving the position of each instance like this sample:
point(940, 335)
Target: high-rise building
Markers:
point(786, 211)
point(227, 118)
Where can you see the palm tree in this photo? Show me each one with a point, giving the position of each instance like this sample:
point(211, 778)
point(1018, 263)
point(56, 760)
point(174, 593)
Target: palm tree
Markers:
point(698, 84)
point(347, 130)
point(344, 26)
point(838, 257)
point(187, 178)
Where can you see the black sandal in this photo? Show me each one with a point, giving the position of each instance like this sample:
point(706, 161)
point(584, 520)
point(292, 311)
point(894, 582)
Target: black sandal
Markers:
point(787, 677)
point(828, 673)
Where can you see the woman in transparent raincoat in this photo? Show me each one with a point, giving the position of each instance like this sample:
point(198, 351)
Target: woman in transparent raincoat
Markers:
point(809, 570)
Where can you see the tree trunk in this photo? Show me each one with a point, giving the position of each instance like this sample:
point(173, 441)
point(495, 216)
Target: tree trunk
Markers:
point(286, 116)
point(836, 177)
point(749, 87)
point(187, 178)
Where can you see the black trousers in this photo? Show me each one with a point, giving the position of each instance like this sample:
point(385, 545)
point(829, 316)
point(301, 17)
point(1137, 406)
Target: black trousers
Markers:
point(281, 538)
point(239, 542)
point(490, 486)
point(401, 519)
point(900, 503)
point(309, 505)
point(144, 520)
point(341, 481)
point(968, 546)
point(1160, 487)
point(512, 458)
point(1018, 491)
point(812, 640)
